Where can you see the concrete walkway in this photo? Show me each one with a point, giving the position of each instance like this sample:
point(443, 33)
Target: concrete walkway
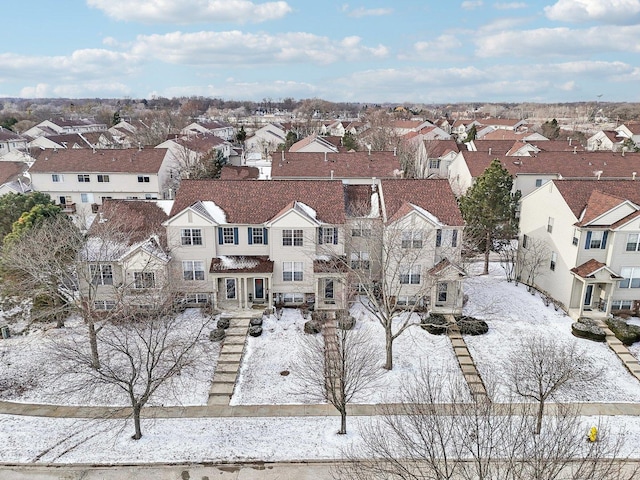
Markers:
point(465, 360)
point(229, 359)
point(623, 353)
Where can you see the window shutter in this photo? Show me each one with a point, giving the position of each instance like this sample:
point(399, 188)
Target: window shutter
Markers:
point(603, 244)
point(587, 244)
point(250, 230)
point(235, 235)
point(220, 239)
point(265, 239)
point(320, 235)
point(335, 235)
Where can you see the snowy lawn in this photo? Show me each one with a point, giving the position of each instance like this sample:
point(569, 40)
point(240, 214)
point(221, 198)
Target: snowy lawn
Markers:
point(28, 371)
point(51, 440)
point(277, 350)
point(513, 315)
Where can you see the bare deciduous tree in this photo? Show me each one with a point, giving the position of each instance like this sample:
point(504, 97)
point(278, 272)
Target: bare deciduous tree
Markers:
point(441, 433)
point(339, 365)
point(541, 368)
point(532, 256)
point(143, 351)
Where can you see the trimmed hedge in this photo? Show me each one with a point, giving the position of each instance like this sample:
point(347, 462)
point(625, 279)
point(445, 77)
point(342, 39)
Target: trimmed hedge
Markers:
point(589, 329)
point(472, 326)
point(626, 333)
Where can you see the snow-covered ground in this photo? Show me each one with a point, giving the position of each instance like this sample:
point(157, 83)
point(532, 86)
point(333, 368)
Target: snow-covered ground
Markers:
point(29, 373)
point(44, 440)
point(510, 311)
point(277, 350)
point(514, 315)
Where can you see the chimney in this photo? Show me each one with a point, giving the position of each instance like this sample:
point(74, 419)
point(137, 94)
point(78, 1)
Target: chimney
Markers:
point(633, 175)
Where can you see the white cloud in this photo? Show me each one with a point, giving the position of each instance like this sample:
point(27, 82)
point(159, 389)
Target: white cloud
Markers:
point(78, 90)
point(88, 64)
point(616, 12)
point(438, 49)
point(237, 89)
point(238, 48)
point(544, 42)
point(191, 11)
point(368, 12)
point(509, 5)
point(471, 4)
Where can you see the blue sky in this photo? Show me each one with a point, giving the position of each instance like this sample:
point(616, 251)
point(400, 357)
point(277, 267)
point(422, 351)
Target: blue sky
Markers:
point(432, 51)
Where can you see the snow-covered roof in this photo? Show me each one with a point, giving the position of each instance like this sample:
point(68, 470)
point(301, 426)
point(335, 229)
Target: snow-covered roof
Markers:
point(428, 215)
point(211, 211)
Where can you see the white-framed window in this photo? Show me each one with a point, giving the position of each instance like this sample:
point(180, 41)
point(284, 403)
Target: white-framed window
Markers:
point(554, 259)
point(596, 239)
point(633, 242)
point(438, 237)
point(227, 235)
point(410, 275)
point(101, 274)
point(104, 304)
point(621, 304)
point(538, 182)
point(103, 178)
point(434, 163)
point(550, 225)
point(574, 240)
point(197, 298)
point(412, 239)
point(292, 271)
point(360, 231)
point(144, 280)
point(143, 179)
point(57, 178)
point(631, 277)
point(193, 270)
point(454, 238)
point(406, 300)
point(191, 236)
point(360, 261)
point(292, 237)
point(230, 288)
point(257, 236)
point(84, 178)
point(328, 235)
point(86, 197)
point(293, 297)
point(328, 291)
point(443, 288)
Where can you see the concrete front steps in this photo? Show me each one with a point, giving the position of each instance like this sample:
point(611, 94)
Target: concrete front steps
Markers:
point(623, 353)
point(468, 367)
point(229, 360)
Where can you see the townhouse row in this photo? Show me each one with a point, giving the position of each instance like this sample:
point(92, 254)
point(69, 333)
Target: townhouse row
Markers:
point(240, 244)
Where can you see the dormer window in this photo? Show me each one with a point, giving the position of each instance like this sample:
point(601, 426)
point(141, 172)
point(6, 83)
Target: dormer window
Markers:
point(84, 178)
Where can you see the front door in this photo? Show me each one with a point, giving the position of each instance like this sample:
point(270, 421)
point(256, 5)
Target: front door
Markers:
point(588, 296)
point(258, 288)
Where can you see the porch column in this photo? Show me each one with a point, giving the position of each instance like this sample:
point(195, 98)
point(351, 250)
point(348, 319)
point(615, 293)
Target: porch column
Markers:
point(270, 295)
point(245, 299)
point(214, 301)
point(584, 291)
point(239, 292)
point(609, 293)
point(316, 288)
